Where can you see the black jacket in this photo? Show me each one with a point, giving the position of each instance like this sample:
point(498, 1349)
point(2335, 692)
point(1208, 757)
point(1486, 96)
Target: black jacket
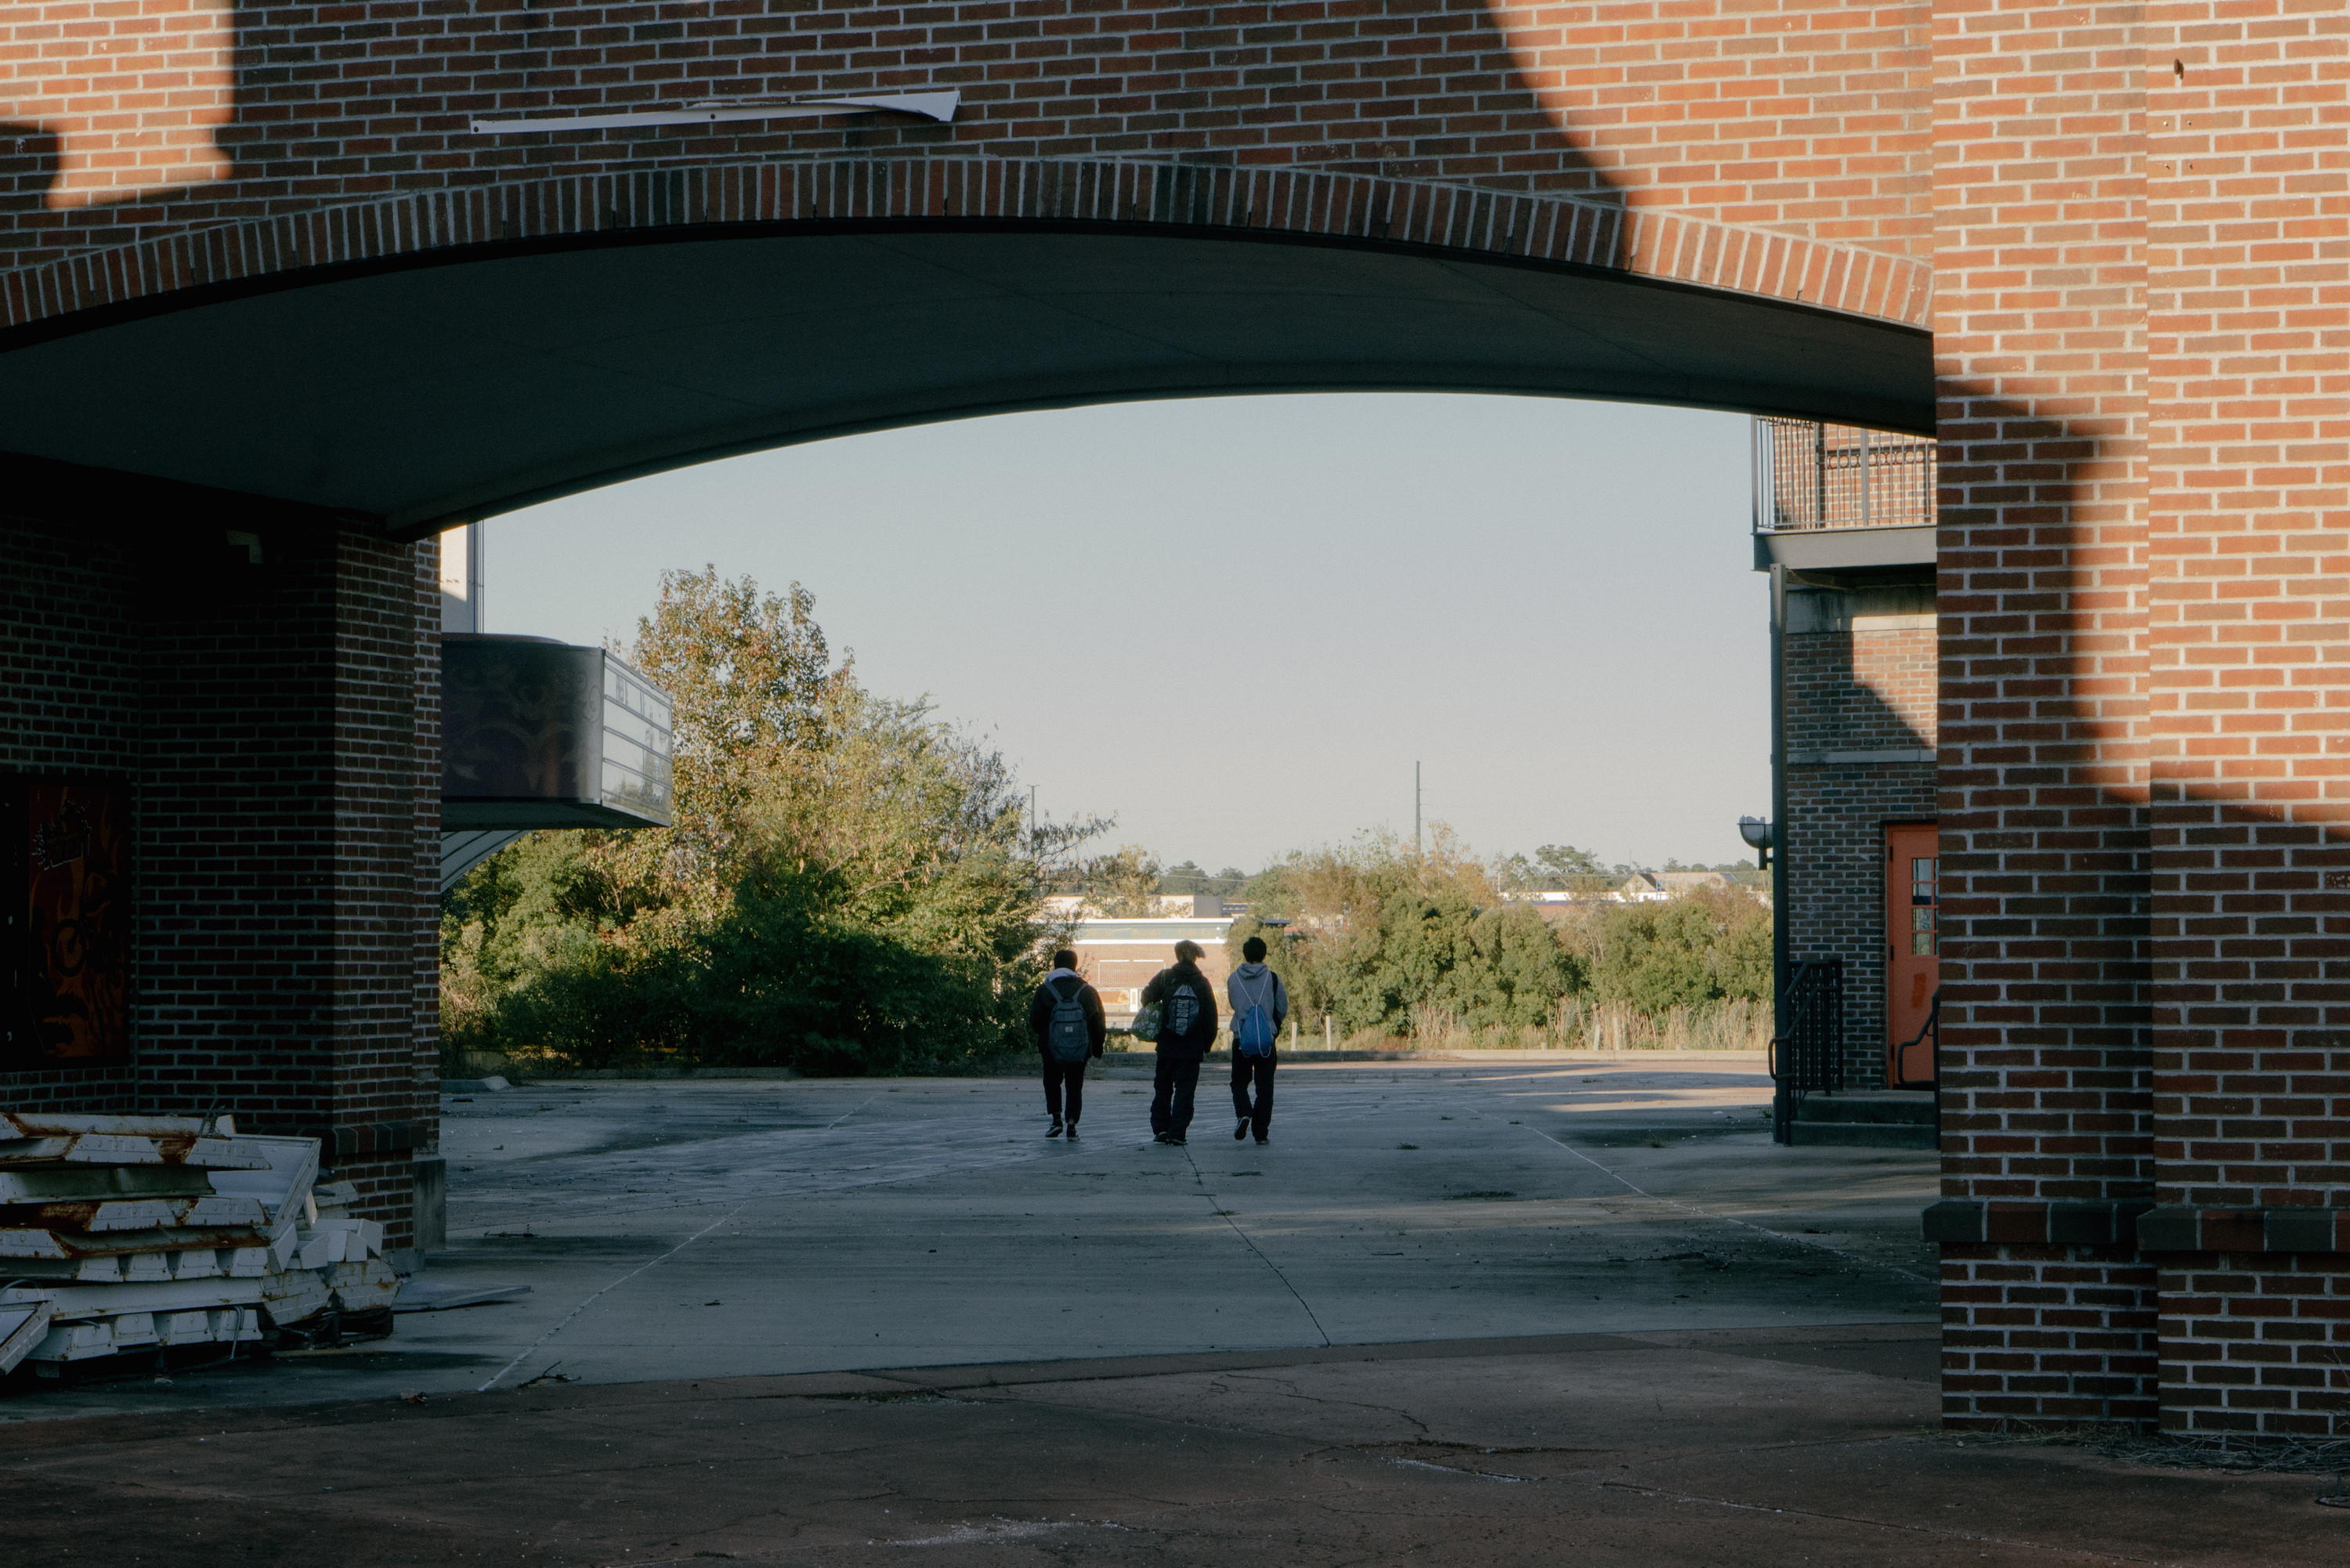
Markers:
point(1040, 1014)
point(1194, 1043)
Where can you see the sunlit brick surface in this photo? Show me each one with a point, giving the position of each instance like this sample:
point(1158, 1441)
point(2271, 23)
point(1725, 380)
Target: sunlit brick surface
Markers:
point(2248, 218)
point(1794, 119)
point(2039, 237)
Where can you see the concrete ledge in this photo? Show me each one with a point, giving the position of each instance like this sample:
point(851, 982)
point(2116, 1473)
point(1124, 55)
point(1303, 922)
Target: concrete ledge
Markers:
point(1964, 1222)
point(2171, 1228)
point(2177, 1228)
point(1874, 754)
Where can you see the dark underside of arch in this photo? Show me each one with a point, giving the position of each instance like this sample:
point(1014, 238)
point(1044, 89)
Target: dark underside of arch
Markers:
point(448, 385)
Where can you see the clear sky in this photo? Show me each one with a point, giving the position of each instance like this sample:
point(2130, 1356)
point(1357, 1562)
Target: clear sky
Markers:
point(1235, 623)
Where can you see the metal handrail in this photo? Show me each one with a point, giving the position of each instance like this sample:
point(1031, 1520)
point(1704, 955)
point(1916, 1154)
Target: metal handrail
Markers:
point(1933, 1025)
point(1813, 1008)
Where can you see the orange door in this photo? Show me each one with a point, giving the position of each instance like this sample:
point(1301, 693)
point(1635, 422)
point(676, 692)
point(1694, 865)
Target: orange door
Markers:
point(1913, 944)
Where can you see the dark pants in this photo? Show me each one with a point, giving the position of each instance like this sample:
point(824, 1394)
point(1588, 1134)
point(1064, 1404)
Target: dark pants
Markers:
point(1252, 1071)
point(1063, 1077)
point(1171, 1095)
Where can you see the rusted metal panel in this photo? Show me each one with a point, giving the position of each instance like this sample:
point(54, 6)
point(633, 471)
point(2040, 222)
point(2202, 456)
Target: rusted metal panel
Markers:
point(133, 1214)
point(72, 1244)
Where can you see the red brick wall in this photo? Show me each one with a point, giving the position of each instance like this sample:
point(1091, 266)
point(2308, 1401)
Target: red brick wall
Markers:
point(2248, 158)
point(269, 714)
point(425, 829)
point(2039, 238)
point(1853, 687)
point(2139, 276)
point(1794, 119)
point(68, 703)
point(237, 882)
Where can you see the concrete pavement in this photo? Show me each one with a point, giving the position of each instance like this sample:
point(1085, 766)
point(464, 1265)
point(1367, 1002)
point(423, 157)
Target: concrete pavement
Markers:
point(721, 1228)
point(1689, 1450)
point(1495, 1313)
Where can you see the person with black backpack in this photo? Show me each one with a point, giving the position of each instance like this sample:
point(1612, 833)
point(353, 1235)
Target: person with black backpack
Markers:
point(1260, 1004)
point(1065, 1017)
point(1183, 1004)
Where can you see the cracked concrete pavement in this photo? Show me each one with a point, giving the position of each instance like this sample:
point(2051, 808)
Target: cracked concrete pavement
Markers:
point(1455, 1314)
point(1713, 1447)
point(710, 1227)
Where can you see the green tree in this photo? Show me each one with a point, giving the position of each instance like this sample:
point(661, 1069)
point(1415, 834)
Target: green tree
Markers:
point(849, 885)
point(1122, 884)
point(1705, 947)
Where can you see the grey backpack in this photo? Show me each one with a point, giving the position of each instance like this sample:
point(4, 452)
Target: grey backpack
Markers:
point(1068, 1036)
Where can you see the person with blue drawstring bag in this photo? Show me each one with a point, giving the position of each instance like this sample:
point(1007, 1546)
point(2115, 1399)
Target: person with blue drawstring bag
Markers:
point(1260, 1004)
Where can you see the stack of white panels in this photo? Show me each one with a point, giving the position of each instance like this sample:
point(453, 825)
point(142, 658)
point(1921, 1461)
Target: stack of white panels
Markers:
point(117, 1239)
point(123, 1234)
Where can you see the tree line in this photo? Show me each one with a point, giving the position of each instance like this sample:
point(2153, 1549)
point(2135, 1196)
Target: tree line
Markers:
point(1390, 942)
point(851, 885)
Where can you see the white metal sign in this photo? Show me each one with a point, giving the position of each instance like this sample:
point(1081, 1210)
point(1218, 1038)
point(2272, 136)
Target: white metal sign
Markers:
point(938, 106)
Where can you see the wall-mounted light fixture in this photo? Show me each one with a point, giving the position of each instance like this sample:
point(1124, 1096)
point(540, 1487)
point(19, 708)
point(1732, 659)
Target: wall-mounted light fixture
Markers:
point(1756, 831)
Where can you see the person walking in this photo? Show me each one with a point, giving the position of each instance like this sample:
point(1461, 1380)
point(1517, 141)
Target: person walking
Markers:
point(1260, 1004)
point(1065, 1017)
point(1187, 1027)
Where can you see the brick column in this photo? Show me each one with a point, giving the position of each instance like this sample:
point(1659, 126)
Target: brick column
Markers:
point(2039, 221)
point(2248, 377)
point(280, 862)
point(384, 647)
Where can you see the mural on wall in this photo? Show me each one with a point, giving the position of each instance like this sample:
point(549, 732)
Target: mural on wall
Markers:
point(70, 911)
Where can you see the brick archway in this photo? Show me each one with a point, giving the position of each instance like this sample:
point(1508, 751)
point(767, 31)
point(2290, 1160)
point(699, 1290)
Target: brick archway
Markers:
point(450, 354)
point(2135, 254)
point(1650, 243)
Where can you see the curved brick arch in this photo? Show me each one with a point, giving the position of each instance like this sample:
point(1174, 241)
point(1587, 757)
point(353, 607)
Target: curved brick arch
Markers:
point(1663, 246)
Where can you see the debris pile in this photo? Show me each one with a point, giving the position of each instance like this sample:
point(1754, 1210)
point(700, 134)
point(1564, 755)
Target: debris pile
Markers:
point(178, 1237)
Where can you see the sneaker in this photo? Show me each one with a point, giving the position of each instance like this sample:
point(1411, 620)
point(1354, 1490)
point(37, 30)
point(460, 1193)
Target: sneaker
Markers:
point(1073, 1132)
point(1178, 1142)
point(1055, 1132)
point(1241, 1131)
point(1262, 1141)
point(1160, 1137)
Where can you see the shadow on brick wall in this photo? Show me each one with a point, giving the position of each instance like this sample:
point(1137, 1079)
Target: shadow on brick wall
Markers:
point(28, 166)
point(1432, 90)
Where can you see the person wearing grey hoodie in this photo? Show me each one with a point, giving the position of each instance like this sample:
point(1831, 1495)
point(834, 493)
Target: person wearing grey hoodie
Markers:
point(1254, 986)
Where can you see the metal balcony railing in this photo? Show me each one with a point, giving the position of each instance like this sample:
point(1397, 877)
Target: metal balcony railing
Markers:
point(1810, 475)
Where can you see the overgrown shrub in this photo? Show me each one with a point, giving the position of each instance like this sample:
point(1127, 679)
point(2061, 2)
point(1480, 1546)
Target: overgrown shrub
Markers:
point(848, 886)
point(1395, 945)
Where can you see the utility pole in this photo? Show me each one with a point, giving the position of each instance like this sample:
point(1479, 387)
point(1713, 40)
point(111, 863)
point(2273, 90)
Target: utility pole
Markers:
point(1031, 815)
point(1415, 847)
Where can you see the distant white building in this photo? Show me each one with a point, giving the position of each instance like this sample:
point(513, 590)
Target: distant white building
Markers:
point(1119, 956)
point(1163, 907)
point(1657, 887)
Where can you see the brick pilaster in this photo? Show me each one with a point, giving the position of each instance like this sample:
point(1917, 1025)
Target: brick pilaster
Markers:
point(2249, 479)
point(2039, 232)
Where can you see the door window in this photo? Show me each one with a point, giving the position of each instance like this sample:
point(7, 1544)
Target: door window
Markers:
point(1925, 929)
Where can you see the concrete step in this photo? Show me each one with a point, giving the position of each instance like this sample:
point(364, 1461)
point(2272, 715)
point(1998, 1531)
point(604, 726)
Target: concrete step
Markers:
point(1866, 1118)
